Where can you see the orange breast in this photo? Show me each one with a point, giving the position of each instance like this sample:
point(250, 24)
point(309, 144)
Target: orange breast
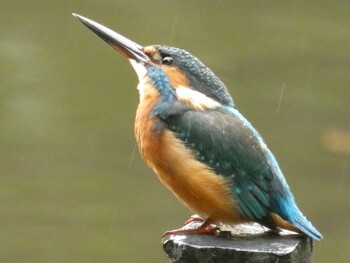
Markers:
point(194, 184)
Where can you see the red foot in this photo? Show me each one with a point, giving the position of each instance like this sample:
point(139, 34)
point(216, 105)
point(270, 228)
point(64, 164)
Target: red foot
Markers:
point(205, 228)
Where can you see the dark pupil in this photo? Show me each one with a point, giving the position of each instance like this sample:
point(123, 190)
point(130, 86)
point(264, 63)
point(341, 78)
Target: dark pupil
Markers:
point(168, 60)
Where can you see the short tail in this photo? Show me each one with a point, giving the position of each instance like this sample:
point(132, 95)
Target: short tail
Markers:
point(305, 226)
point(292, 219)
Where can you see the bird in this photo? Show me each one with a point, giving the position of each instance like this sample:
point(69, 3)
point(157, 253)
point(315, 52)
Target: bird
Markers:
point(191, 134)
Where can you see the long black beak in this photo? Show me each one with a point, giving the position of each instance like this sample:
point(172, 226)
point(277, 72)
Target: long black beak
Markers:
point(125, 46)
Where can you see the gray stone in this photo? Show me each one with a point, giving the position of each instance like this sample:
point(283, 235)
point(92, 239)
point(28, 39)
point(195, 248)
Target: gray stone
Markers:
point(225, 248)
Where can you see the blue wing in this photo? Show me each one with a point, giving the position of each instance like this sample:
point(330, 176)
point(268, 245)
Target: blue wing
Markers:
point(224, 140)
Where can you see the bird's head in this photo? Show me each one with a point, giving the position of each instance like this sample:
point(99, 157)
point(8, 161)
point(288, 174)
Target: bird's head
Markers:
point(171, 70)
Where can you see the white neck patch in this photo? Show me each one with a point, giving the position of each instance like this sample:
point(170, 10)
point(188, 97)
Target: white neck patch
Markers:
point(195, 99)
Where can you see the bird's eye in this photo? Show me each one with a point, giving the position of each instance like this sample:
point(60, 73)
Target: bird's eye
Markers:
point(167, 61)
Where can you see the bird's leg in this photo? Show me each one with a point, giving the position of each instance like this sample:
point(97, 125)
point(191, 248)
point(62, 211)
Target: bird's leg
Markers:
point(204, 228)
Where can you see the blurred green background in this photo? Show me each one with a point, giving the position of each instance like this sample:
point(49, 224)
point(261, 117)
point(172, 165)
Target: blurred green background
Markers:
point(74, 188)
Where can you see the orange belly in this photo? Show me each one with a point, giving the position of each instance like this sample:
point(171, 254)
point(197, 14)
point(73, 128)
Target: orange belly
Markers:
point(194, 183)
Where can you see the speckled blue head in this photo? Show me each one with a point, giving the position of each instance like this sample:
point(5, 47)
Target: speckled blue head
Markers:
point(200, 77)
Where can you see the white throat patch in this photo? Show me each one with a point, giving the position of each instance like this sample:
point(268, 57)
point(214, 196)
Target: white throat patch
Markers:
point(141, 72)
point(139, 68)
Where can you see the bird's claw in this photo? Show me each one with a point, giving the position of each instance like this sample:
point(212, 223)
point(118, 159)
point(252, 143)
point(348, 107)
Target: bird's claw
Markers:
point(194, 218)
point(204, 228)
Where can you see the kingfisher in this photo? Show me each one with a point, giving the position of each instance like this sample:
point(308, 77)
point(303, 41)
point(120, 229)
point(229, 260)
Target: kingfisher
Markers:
point(191, 134)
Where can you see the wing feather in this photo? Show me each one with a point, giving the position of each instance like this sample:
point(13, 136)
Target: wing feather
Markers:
point(227, 143)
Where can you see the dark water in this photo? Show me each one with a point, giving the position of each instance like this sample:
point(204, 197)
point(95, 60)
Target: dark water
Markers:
point(73, 189)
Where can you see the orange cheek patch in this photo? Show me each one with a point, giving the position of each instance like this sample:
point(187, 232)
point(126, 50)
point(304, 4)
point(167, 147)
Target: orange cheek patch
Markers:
point(176, 77)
